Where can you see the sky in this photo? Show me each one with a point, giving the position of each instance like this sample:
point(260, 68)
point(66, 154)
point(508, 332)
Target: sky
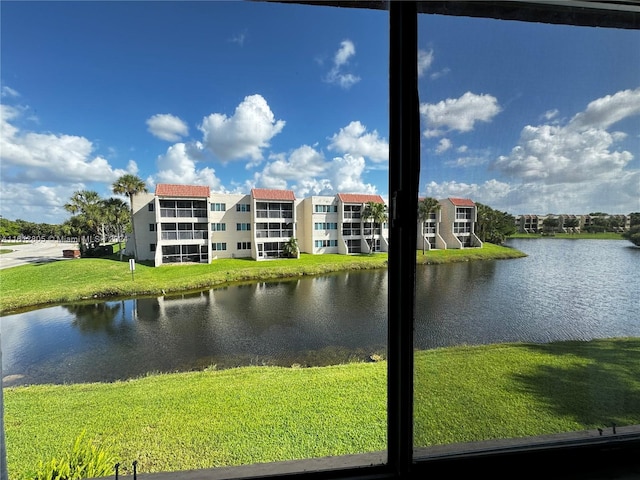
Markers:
point(522, 117)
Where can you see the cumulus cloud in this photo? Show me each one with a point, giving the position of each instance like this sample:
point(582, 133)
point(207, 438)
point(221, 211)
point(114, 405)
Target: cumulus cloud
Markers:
point(459, 114)
point(338, 74)
point(570, 168)
point(167, 127)
point(306, 171)
point(605, 111)
point(444, 145)
point(355, 140)
point(41, 203)
point(179, 165)
point(243, 135)
point(48, 157)
point(580, 151)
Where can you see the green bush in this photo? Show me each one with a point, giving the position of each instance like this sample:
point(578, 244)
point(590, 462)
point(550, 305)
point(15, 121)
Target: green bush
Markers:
point(86, 460)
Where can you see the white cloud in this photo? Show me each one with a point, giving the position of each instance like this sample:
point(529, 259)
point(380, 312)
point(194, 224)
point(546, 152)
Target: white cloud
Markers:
point(41, 204)
point(179, 165)
point(444, 145)
point(245, 134)
point(439, 74)
point(573, 168)
point(167, 127)
point(307, 172)
point(550, 114)
point(460, 114)
point(9, 92)
point(580, 152)
point(337, 74)
point(425, 59)
point(605, 111)
point(347, 175)
point(47, 157)
point(355, 140)
point(239, 38)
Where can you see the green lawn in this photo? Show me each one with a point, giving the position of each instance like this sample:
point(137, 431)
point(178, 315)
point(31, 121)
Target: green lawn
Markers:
point(262, 414)
point(85, 278)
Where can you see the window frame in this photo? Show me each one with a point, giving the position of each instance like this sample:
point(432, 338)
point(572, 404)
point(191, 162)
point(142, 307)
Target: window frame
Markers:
point(559, 456)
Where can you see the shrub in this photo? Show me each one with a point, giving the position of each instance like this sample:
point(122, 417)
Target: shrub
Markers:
point(86, 460)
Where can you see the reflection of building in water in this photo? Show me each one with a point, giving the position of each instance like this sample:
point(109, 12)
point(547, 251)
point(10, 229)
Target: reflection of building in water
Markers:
point(161, 308)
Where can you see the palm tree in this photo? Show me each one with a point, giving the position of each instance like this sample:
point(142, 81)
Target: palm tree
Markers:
point(290, 249)
point(85, 205)
point(377, 213)
point(130, 185)
point(117, 214)
point(426, 207)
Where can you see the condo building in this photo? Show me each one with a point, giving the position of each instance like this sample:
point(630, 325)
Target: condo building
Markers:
point(451, 226)
point(189, 223)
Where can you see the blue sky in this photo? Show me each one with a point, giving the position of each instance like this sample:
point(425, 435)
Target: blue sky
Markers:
point(526, 118)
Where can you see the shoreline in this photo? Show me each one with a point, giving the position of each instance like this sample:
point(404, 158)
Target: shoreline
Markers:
point(31, 287)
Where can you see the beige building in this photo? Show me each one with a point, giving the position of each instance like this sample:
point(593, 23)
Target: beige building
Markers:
point(452, 226)
point(188, 223)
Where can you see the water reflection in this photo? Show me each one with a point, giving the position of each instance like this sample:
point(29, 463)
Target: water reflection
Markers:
point(562, 290)
point(95, 317)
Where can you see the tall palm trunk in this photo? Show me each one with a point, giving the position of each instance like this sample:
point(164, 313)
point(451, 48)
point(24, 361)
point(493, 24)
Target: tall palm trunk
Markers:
point(133, 230)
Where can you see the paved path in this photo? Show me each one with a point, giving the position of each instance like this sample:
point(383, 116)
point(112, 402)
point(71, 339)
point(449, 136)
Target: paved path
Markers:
point(36, 252)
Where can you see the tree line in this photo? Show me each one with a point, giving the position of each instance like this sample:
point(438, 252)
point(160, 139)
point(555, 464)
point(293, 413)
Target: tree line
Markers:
point(93, 220)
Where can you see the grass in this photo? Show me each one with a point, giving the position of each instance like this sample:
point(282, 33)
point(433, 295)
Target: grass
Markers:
point(89, 278)
point(572, 236)
point(487, 252)
point(262, 414)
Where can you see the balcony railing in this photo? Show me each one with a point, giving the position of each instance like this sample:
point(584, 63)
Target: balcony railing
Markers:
point(274, 233)
point(186, 235)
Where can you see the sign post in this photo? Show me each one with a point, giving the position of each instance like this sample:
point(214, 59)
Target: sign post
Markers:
point(132, 267)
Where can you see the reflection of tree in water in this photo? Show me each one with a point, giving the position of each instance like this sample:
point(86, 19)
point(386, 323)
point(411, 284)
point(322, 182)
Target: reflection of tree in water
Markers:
point(95, 317)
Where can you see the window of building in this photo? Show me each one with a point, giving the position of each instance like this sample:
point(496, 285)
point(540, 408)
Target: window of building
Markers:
point(243, 207)
point(326, 243)
point(219, 246)
point(243, 227)
point(325, 226)
point(218, 207)
point(326, 208)
point(244, 246)
point(152, 227)
point(151, 207)
point(219, 227)
point(152, 247)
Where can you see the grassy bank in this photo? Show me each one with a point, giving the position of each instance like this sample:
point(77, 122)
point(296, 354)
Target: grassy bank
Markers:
point(572, 236)
point(262, 414)
point(488, 251)
point(73, 280)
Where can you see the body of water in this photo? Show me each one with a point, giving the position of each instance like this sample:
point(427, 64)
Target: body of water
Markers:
point(563, 290)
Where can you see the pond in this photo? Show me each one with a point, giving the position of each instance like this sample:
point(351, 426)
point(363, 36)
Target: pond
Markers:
point(563, 290)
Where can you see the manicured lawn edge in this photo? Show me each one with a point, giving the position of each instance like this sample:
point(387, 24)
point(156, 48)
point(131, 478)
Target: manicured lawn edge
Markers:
point(261, 414)
point(34, 286)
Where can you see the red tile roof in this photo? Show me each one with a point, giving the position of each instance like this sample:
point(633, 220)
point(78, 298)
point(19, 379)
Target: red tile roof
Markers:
point(359, 198)
point(269, 194)
point(462, 202)
point(169, 190)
